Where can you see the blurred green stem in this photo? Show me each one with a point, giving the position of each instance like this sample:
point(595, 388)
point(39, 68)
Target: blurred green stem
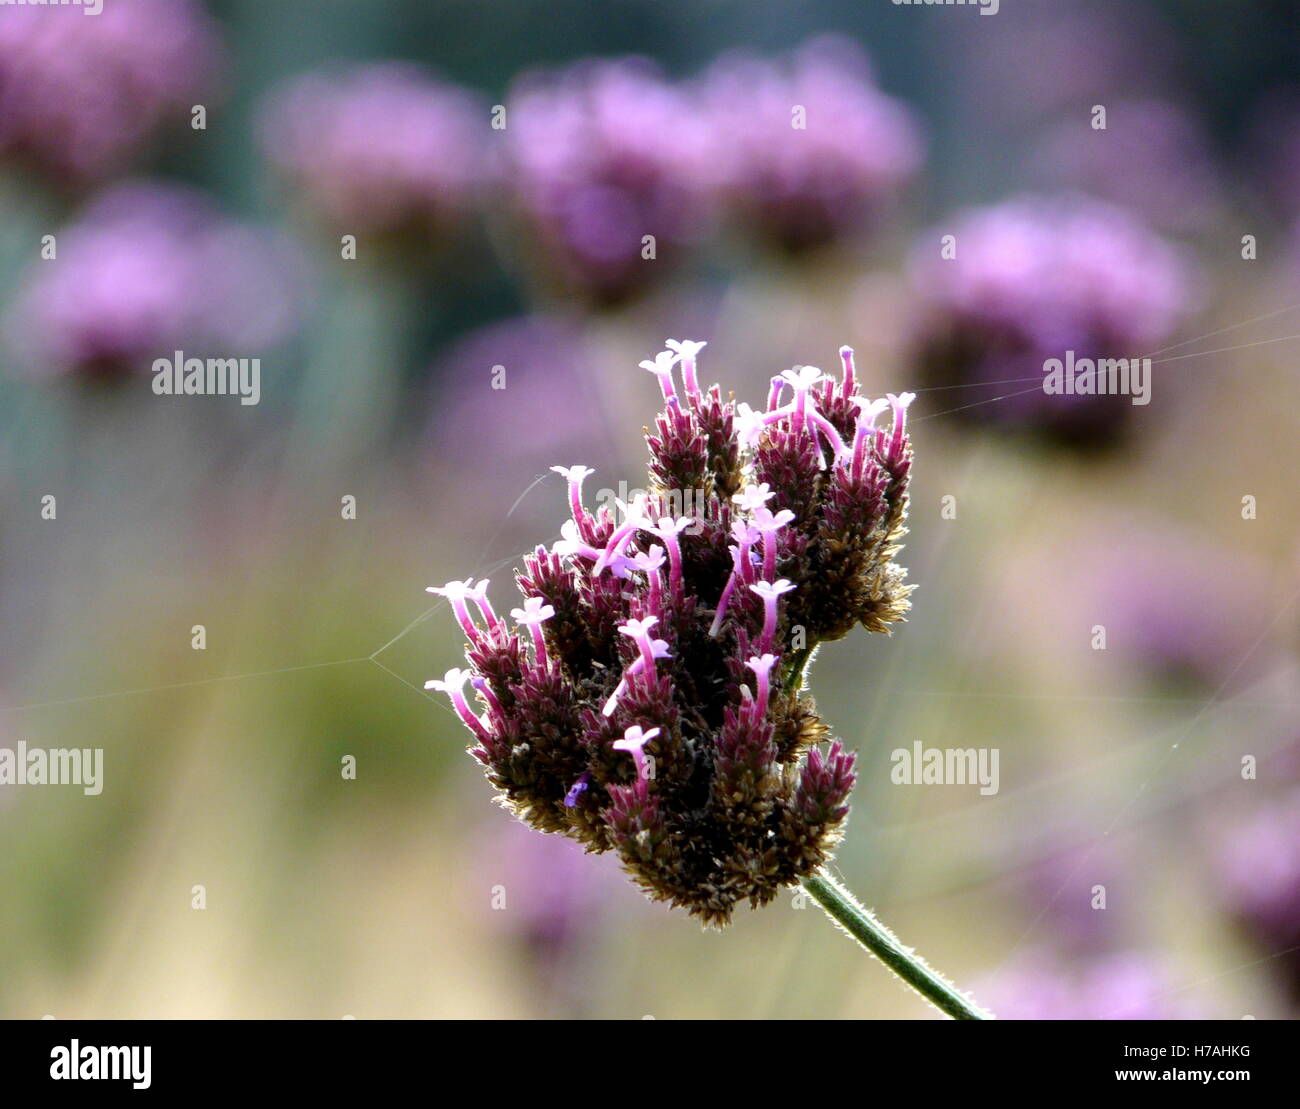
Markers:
point(843, 908)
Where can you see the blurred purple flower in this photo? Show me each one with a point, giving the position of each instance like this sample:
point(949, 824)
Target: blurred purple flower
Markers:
point(1058, 887)
point(602, 154)
point(1125, 986)
point(146, 270)
point(1033, 278)
point(1177, 606)
point(1258, 868)
point(1153, 157)
point(549, 404)
point(384, 147)
point(80, 95)
point(802, 181)
point(555, 893)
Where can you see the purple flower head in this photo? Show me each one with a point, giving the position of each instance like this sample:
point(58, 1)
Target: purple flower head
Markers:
point(80, 96)
point(687, 350)
point(749, 425)
point(651, 563)
point(147, 270)
point(633, 742)
point(577, 790)
point(1177, 608)
point(556, 896)
point(651, 560)
point(662, 368)
point(575, 476)
point(453, 684)
point(651, 649)
point(668, 529)
point(802, 378)
point(548, 401)
point(634, 520)
point(746, 534)
point(706, 664)
point(762, 667)
point(572, 543)
point(456, 593)
point(639, 632)
point(601, 155)
point(478, 594)
point(752, 497)
point(771, 593)
point(534, 613)
point(808, 150)
point(1058, 888)
point(380, 148)
point(1033, 279)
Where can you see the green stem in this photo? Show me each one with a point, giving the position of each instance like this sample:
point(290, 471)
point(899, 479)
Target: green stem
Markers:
point(843, 908)
point(799, 665)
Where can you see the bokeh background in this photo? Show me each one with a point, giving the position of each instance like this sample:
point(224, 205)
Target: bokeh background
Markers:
point(520, 246)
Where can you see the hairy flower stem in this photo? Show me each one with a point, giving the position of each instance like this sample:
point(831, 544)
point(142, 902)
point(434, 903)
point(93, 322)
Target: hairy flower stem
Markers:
point(842, 907)
point(799, 666)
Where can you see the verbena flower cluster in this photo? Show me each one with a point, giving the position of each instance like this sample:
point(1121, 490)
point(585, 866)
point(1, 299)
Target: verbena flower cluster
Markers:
point(145, 270)
point(79, 97)
point(600, 154)
point(803, 188)
point(796, 152)
point(383, 147)
point(648, 698)
point(1033, 278)
point(605, 175)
